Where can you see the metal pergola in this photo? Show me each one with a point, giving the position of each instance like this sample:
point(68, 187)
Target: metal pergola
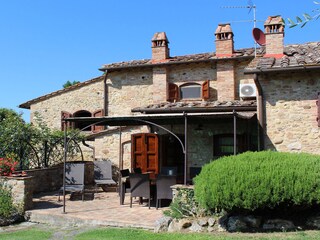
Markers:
point(154, 120)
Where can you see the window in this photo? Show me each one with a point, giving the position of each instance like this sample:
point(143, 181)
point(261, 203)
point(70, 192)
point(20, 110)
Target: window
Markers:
point(224, 145)
point(81, 125)
point(188, 91)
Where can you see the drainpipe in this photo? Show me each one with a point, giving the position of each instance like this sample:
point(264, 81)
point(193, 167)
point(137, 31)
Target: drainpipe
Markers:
point(234, 132)
point(261, 120)
point(105, 90)
point(91, 147)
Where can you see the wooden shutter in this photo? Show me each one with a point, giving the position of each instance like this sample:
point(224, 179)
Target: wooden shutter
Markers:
point(64, 115)
point(145, 152)
point(98, 113)
point(205, 90)
point(173, 92)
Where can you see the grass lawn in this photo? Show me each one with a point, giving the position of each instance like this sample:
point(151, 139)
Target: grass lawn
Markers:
point(133, 234)
point(28, 234)
point(36, 233)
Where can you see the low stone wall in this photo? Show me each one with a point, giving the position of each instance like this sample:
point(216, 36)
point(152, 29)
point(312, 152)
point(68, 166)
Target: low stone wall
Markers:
point(21, 190)
point(50, 179)
point(199, 221)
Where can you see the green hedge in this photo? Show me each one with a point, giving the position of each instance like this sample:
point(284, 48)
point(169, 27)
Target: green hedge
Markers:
point(259, 180)
point(6, 205)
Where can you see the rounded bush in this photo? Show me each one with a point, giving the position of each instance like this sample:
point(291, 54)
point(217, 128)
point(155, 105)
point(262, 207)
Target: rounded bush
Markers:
point(259, 180)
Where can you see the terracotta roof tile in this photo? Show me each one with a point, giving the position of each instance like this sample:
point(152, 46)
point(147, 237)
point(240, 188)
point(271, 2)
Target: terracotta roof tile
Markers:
point(200, 57)
point(198, 106)
point(294, 55)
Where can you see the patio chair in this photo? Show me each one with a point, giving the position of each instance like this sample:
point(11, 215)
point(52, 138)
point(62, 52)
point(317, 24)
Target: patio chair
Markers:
point(124, 184)
point(164, 191)
point(74, 179)
point(140, 187)
point(103, 173)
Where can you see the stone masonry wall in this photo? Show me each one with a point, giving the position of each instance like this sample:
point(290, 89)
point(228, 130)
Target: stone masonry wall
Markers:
point(89, 97)
point(291, 112)
point(21, 191)
point(131, 88)
point(127, 90)
point(195, 73)
point(108, 146)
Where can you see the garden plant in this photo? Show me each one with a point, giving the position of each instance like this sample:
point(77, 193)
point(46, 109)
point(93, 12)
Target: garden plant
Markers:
point(260, 180)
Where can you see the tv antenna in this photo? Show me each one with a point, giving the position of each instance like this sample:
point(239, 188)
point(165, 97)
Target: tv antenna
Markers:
point(252, 7)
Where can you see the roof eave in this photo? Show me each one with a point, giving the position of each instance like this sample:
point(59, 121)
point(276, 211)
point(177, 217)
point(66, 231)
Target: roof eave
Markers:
point(276, 70)
point(195, 110)
point(213, 59)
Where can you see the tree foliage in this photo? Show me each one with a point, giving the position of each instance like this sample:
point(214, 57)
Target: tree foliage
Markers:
point(34, 145)
point(259, 180)
point(14, 132)
point(302, 21)
point(69, 84)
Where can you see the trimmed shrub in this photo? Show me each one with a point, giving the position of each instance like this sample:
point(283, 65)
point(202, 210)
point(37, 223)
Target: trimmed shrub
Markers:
point(259, 180)
point(6, 205)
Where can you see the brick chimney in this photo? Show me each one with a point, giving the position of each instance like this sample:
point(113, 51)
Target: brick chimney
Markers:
point(274, 31)
point(224, 40)
point(160, 47)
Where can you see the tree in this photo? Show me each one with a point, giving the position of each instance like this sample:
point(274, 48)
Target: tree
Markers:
point(69, 84)
point(306, 18)
point(14, 133)
point(34, 145)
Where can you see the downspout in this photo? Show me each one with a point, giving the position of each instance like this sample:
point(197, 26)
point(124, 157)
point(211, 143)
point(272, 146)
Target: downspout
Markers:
point(106, 91)
point(261, 119)
point(91, 147)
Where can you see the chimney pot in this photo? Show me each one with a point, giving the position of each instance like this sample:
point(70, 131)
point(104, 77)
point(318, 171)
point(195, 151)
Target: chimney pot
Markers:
point(224, 40)
point(274, 31)
point(160, 46)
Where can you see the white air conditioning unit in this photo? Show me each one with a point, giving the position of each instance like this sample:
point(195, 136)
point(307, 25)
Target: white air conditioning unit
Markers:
point(248, 90)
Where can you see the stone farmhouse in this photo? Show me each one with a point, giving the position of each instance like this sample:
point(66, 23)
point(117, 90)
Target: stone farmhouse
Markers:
point(180, 112)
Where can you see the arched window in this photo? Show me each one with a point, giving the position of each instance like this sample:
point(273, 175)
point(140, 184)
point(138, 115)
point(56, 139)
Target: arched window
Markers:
point(190, 91)
point(81, 125)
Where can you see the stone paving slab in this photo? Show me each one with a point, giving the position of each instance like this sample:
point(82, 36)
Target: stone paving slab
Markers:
point(102, 210)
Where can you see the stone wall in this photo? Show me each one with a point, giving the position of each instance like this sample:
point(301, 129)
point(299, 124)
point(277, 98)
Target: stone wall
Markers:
point(139, 87)
point(291, 112)
point(127, 90)
point(88, 97)
point(108, 146)
point(21, 190)
point(195, 73)
point(51, 179)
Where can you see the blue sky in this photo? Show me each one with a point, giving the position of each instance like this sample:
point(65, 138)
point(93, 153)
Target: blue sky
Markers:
point(44, 43)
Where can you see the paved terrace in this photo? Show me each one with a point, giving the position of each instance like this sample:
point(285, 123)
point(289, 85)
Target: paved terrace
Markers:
point(102, 210)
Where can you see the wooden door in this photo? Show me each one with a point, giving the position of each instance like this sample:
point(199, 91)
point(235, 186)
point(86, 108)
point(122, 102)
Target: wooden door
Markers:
point(145, 152)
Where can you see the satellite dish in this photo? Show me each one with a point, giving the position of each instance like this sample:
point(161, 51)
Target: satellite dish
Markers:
point(259, 36)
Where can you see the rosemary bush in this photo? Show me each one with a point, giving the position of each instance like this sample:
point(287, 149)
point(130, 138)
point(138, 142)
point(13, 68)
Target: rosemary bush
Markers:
point(259, 180)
